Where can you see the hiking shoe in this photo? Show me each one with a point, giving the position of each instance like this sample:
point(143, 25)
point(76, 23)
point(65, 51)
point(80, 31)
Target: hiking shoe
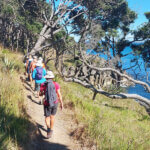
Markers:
point(49, 134)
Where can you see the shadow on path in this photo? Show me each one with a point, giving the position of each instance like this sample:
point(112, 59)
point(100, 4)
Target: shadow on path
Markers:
point(47, 145)
point(53, 146)
point(30, 97)
point(41, 127)
point(15, 128)
point(27, 87)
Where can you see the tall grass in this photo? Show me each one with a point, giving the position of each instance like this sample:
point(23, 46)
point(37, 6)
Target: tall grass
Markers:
point(109, 123)
point(13, 120)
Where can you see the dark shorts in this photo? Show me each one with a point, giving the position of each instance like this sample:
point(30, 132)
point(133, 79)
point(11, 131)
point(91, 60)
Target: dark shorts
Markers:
point(37, 87)
point(48, 111)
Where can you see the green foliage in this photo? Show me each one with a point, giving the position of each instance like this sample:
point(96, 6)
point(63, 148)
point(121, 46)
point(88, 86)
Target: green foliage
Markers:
point(31, 7)
point(7, 10)
point(113, 33)
point(35, 27)
point(147, 14)
point(8, 65)
point(21, 20)
point(59, 35)
point(5, 51)
point(10, 62)
point(143, 33)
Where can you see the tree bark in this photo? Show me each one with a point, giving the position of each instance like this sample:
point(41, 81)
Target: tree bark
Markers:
point(41, 39)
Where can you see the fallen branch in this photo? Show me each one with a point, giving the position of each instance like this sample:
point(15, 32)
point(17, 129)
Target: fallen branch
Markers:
point(142, 100)
point(83, 59)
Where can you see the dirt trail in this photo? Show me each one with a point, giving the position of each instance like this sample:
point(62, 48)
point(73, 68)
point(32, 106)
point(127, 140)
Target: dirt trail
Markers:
point(61, 139)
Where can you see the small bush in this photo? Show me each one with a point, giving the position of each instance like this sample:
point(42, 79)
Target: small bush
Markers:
point(8, 65)
point(11, 62)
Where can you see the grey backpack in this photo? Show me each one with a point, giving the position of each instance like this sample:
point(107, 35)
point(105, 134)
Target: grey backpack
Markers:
point(50, 94)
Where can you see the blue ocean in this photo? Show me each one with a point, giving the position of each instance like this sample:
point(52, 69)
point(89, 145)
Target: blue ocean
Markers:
point(137, 72)
point(140, 71)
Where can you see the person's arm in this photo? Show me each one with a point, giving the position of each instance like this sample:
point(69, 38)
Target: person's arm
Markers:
point(44, 72)
point(27, 65)
point(44, 66)
point(33, 75)
point(31, 66)
point(60, 98)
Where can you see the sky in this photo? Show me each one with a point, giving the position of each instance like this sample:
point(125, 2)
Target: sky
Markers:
point(140, 7)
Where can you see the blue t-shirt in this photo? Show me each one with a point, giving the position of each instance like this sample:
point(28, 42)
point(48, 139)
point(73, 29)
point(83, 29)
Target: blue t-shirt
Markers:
point(34, 76)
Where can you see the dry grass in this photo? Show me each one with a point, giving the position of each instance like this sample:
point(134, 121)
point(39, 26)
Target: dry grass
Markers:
point(110, 123)
point(13, 120)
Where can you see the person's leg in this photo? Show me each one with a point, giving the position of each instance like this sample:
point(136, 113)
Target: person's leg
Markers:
point(28, 79)
point(47, 121)
point(47, 113)
point(52, 116)
point(40, 95)
point(37, 90)
point(49, 131)
point(25, 73)
point(31, 79)
point(52, 122)
point(28, 76)
point(50, 125)
point(33, 84)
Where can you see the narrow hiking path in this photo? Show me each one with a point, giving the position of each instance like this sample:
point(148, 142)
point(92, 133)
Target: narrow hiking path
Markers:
point(63, 127)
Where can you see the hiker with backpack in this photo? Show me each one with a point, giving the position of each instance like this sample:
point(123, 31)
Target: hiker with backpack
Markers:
point(28, 65)
point(52, 97)
point(38, 76)
point(32, 67)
